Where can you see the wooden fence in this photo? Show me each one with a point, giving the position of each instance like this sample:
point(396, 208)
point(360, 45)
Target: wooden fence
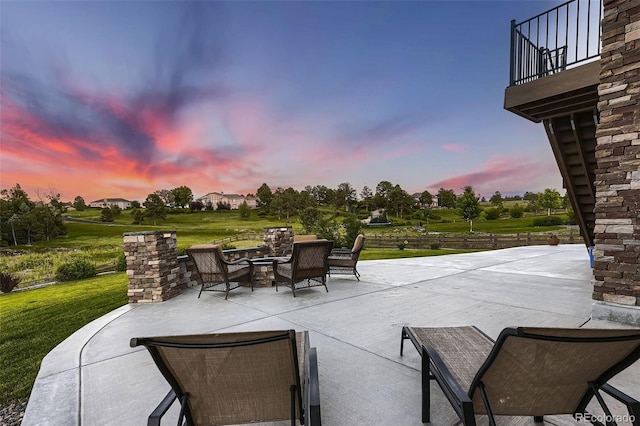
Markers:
point(483, 241)
point(488, 241)
point(239, 237)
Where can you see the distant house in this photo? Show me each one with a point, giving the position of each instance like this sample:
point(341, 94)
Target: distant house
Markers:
point(434, 200)
point(110, 202)
point(234, 201)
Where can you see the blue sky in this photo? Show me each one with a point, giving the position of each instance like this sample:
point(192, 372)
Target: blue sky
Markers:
point(121, 98)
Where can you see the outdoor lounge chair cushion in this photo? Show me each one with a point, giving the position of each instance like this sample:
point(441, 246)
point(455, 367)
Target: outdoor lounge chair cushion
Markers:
point(526, 372)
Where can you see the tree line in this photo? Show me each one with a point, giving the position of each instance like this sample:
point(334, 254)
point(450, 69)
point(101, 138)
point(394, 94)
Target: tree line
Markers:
point(23, 221)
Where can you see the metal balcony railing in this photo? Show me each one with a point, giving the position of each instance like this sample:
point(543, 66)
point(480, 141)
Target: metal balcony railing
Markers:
point(555, 40)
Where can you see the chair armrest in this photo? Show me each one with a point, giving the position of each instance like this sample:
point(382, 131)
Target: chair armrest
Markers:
point(449, 385)
point(339, 251)
point(161, 409)
point(312, 389)
point(279, 261)
point(235, 262)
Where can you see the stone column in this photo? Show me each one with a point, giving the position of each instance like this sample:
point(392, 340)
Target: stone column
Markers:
point(616, 273)
point(278, 239)
point(152, 266)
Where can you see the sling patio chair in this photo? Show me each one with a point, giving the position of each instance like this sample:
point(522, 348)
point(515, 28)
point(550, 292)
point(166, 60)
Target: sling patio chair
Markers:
point(308, 262)
point(216, 272)
point(343, 261)
point(526, 371)
point(237, 378)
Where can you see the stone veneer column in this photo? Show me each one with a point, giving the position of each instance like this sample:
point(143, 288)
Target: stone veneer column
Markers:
point(152, 266)
point(616, 273)
point(278, 239)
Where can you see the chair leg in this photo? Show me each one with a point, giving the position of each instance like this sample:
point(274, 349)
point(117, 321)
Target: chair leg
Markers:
point(426, 388)
point(226, 293)
point(403, 337)
point(356, 273)
point(201, 288)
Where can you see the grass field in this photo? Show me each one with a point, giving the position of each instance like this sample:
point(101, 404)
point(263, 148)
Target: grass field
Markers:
point(102, 242)
point(36, 321)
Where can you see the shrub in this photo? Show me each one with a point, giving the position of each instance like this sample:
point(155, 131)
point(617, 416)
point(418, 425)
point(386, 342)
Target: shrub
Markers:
point(434, 246)
point(244, 211)
point(516, 211)
point(547, 221)
point(8, 282)
point(309, 218)
point(106, 215)
point(228, 246)
point(138, 216)
point(571, 217)
point(328, 229)
point(121, 262)
point(492, 213)
point(75, 269)
point(352, 227)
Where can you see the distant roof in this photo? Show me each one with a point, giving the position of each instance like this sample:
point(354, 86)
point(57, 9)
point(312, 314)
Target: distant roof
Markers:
point(234, 196)
point(110, 200)
point(222, 194)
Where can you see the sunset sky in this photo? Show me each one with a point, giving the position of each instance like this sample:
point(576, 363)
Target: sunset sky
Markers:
point(122, 98)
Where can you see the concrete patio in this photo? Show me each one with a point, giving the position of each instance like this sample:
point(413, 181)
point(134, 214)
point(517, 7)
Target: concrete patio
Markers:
point(95, 378)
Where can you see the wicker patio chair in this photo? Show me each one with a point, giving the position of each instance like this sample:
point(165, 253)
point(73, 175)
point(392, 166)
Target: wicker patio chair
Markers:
point(308, 262)
point(345, 261)
point(526, 372)
point(237, 378)
point(216, 272)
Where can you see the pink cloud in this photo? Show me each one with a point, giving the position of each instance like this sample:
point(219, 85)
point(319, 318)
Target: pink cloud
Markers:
point(454, 147)
point(505, 174)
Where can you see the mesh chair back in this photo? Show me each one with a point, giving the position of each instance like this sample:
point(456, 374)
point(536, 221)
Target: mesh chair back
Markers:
point(208, 259)
point(309, 258)
point(540, 371)
point(232, 378)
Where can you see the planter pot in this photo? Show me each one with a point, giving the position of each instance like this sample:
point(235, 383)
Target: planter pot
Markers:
point(553, 241)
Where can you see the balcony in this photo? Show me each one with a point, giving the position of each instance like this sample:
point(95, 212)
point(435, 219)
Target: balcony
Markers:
point(553, 78)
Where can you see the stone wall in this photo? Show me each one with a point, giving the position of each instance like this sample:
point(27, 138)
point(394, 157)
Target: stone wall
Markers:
point(616, 274)
point(156, 272)
point(279, 240)
point(152, 266)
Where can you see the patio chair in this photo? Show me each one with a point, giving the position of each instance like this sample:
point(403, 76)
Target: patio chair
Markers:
point(344, 261)
point(216, 272)
point(237, 378)
point(308, 262)
point(526, 372)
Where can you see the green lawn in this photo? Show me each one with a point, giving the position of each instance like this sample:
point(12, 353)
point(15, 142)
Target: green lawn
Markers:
point(34, 322)
point(373, 254)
